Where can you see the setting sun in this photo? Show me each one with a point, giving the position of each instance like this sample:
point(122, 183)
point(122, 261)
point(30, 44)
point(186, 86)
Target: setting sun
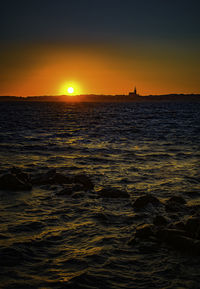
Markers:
point(70, 90)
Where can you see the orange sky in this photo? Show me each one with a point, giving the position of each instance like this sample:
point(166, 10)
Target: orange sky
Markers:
point(49, 69)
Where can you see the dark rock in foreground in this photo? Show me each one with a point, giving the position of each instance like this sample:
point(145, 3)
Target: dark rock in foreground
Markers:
point(51, 178)
point(181, 236)
point(192, 227)
point(144, 200)
point(16, 180)
point(59, 179)
point(113, 193)
point(54, 178)
point(175, 204)
point(84, 180)
point(22, 176)
point(178, 240)
point(144, 231)
point(177, 199)
point(179, 225)
point(69, 190)
point(11, 182)
point(160, 221)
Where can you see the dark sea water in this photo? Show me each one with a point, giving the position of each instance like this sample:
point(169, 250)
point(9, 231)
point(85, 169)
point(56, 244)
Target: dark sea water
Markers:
point(82, 241)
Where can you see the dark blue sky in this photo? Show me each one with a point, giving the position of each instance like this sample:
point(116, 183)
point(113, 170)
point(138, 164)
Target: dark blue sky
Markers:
point(96, 21)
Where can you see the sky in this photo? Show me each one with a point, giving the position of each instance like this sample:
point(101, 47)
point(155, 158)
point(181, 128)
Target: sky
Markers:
point(99, 47)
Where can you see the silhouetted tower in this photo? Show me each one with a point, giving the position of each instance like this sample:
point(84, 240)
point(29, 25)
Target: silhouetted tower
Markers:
point(134, 93)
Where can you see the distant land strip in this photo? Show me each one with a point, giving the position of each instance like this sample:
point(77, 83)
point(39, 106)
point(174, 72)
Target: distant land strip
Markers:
point(103, 98)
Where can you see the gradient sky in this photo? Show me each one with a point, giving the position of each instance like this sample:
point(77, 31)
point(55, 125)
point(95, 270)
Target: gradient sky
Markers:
point(98, 46)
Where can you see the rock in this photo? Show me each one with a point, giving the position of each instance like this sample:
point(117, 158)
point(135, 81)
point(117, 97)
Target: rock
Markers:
point(132, 242)
point(69, 190)
point(164, 234)
point(185, 244)
point(179, 225)
point(194, 209)
point(192, 227)
point(144, 200)
point(59, 179)
point(15, 170)
point(24, 177)
point(144, 231)
point(65, 192)
point(177, 199)
point(149, 247)
point(112, 193)
point(84, 180)
point(11, 182)
point(178, 240)
point(54, 178)
point(40, 179)
point(173, 206)
point(160, 221)
point(51, 178)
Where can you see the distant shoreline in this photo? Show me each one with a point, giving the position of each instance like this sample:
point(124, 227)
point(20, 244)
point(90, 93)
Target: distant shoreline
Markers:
point(103, 98)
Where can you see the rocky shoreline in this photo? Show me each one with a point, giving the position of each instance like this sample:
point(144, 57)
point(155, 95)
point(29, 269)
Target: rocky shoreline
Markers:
point(177, 226)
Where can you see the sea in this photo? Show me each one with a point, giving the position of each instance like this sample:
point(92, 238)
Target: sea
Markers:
point(83, 241)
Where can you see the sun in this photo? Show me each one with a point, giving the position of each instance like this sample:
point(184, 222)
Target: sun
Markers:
point(70, 90)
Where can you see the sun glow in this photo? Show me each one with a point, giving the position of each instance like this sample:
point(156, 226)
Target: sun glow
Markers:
point(70, 90)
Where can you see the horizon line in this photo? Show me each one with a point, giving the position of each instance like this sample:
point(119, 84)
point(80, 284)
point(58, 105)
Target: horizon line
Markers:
point(94, 94)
